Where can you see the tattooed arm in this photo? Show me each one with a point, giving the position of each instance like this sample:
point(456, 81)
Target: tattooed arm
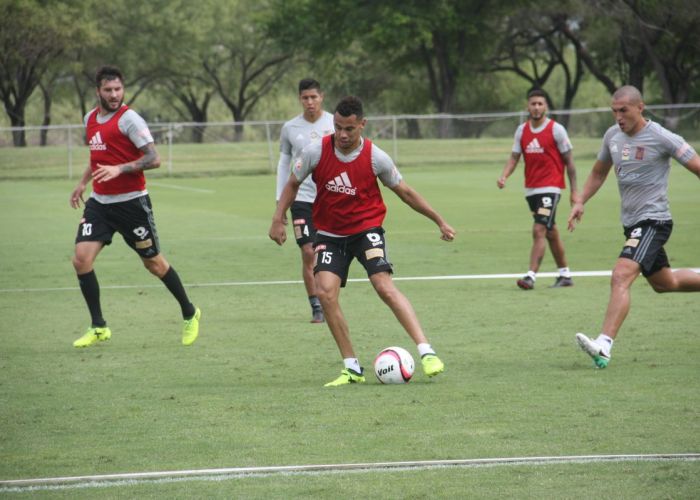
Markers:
point(148, 161)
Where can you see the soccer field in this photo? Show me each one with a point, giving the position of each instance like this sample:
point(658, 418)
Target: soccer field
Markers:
point(249, 393)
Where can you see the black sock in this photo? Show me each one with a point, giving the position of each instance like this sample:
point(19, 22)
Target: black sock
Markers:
point(91, 292)
point(315, 303)
point(172, 281)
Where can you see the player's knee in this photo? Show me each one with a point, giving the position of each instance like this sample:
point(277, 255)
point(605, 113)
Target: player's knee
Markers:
point(387, 291)
point(157, 267)
point(619, 279)
point(660, 288)
point(307, 254)
point(325, 294)
point(81, 263)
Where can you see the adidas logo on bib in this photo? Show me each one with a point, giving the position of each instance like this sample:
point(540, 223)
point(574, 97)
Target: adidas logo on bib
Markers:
point(341, 184)
point(96, 143)
point(534, 147)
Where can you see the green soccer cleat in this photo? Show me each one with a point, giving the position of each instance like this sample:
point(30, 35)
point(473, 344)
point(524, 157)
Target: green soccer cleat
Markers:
point(594, 350)
point(190, 328)
point(93, 335)
point(347, 376)
point(432, 365)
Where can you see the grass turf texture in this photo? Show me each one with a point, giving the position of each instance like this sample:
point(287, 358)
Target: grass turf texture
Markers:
point(249, 392)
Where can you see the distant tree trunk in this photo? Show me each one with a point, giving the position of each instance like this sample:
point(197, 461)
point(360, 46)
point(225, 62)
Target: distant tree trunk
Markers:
point(413, 129)
point(19, 138)
point(48, 100)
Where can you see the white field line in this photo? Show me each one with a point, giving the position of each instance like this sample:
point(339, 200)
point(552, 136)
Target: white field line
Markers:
point(129, 479)
point(298, 282)
point(181, 188)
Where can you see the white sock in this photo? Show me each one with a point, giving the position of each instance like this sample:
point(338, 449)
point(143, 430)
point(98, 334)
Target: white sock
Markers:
point(424, 349)
point(352, 364)
point(532, 275)
point(565, 272)
point(605, 343)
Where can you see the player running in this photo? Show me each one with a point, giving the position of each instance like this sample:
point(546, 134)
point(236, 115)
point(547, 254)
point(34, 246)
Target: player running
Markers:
point(641, 152)
point(121, 148)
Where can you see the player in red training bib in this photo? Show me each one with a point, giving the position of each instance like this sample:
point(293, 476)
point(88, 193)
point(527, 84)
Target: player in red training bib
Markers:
point(547, 150)
point(121, 148)
point(348, 213)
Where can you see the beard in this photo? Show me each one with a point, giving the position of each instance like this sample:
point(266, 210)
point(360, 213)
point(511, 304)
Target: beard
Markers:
point(105, 104)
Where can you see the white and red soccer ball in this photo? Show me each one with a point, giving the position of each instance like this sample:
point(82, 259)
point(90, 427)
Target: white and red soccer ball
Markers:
point(394, 365)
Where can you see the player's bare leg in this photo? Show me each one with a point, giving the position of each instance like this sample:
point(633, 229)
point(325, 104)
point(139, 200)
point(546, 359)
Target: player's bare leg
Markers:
point(406, 315)
point(682, 280)
point(556, 246)
point(308, 259)
point(328, 290)
point(623, 275)
point(539, 244)
point(399, 305)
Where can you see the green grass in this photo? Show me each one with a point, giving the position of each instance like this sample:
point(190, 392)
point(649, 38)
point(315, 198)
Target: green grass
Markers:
point(249, 392)
point(58, 162)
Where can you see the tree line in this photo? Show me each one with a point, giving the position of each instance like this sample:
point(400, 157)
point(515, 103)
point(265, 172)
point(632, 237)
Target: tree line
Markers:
point(442, 56)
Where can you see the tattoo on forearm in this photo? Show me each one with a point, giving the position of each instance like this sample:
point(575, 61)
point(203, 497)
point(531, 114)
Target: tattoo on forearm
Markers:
point(146, 162)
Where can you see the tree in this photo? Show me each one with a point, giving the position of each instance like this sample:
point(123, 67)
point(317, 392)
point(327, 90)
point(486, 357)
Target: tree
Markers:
point(32, 35)
point(535, 43)
point(446, 39)
point(242, 62)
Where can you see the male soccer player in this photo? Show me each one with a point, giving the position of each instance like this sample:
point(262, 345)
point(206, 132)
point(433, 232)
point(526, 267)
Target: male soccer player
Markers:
point(121, 148)
point(348, 213)
point(547, 150)
point(641, 152)
point(310, 126)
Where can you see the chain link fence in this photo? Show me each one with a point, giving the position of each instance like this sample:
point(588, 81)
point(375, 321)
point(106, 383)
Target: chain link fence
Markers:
point(229, 148)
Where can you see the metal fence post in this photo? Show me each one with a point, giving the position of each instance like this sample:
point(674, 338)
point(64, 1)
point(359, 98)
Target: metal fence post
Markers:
point(69, 131)
point(170, 149)
point(396, 146)
point(269, 147)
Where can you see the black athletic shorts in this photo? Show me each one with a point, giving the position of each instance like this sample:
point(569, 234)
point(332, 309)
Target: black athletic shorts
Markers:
point(544, 208)
point(304, 230)
point(132, 219)
point(645, 244)
point(336, 254)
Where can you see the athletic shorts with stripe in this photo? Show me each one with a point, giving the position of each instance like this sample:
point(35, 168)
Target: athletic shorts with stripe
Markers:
point(645, 244)
point(133, 219)
point(304, 229)
point(544, 208)
point(335, 254)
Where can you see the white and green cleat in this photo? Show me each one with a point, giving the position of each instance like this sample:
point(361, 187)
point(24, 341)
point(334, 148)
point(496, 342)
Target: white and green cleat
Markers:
point(594, 350)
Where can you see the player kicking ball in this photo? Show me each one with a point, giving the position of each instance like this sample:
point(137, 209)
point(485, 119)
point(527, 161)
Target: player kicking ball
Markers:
point(348, 213)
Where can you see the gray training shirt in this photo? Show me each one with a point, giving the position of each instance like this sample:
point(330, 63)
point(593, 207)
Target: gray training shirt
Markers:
point(642, 163)
point(296, 134)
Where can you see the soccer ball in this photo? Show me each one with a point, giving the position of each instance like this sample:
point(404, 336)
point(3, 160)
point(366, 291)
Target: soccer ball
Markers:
point(394, 365)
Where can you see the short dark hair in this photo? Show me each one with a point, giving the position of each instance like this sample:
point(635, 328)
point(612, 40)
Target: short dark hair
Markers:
point(350, 105)
point(108, 73)
point(537, 93)
point(308, 84)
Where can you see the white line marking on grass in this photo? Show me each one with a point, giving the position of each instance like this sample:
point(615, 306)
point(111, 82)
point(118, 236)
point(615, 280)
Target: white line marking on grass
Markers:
point(181, 188)
point(130, 479)
point(298, 282)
